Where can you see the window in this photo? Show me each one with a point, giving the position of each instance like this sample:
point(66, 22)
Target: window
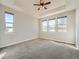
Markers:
point(44, 25)
point(9, 22)
point(62, 24)
point(52, 25)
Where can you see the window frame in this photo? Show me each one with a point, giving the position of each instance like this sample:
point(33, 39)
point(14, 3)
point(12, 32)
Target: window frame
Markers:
point(56, 24)
point(63, 24)
point(8, 22)
point(41, 28)
point(49, 25)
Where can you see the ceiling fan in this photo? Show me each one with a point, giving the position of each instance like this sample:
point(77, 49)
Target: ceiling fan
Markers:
point(42, 3)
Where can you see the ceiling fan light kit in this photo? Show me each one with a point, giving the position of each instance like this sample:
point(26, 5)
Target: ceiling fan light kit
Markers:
point(42, 4)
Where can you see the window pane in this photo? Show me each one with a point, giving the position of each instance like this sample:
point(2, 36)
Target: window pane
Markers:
point(62, 21)
point(44, 26)
point(9, 25)
point(8, 18)
point(9, 29)
point(52, 25)
point(62, 24)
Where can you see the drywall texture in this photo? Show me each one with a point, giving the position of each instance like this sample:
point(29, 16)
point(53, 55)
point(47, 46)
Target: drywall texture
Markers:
point(67, 37)
point(25, 27)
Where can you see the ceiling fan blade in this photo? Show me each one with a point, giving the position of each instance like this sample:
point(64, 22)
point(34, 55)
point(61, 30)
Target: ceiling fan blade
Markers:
point(36, 4)
point(45, 8)
point(42, 1)
point(39, 8)
point(47, 3)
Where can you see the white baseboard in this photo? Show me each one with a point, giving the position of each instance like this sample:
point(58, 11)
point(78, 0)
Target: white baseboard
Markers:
point(17, 42)
point(59, 41)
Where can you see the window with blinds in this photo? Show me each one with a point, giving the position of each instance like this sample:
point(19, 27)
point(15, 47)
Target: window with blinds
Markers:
point(9, 22)
point(52, 25)
point(62, 24)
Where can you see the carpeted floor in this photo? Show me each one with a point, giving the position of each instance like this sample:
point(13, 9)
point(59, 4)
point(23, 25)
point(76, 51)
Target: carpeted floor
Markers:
point(39, 49)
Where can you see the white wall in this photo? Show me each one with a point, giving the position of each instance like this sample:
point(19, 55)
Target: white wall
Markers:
point(25, 28)
point(67, 37)
point(77, 24)
point(77, 27)
point(10, 2)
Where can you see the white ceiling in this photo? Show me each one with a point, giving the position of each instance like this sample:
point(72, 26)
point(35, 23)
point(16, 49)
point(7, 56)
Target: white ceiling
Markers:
point(27, 6)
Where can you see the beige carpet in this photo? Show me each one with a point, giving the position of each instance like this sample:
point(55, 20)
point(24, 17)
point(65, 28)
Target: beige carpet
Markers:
point(39, 49)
